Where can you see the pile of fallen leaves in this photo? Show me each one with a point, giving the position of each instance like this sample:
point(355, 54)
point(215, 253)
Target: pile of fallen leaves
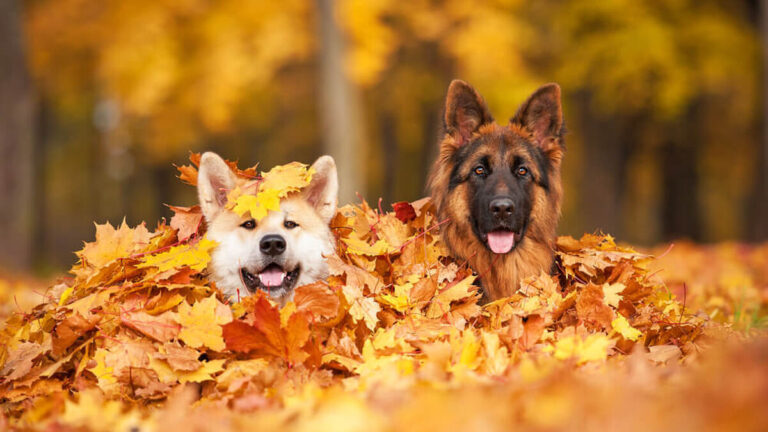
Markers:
point(727, 281)
point(394, 339)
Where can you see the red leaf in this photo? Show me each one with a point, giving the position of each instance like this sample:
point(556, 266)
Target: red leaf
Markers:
point(241, 337)
point(404, 211)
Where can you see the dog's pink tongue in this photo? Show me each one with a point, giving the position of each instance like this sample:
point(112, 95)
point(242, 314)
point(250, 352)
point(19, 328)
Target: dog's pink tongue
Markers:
point(501, 241)
point(272, 277)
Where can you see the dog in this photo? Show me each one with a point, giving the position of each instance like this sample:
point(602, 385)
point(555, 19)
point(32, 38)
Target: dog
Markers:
point(285, 249)
point(499, 187)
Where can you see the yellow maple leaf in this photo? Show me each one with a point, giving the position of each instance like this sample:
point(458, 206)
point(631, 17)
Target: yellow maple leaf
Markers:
point(258, 205)
point(400, 299)
point(205, 372)
point(622, 326)
point(441, 304)
point(287, 178)
point(496, 355)
point(201, 323)
point(360, 247)
point(275, 184)
point(112, 243)
point(592, 348)
point(103, 372)
point(195, 256)
point(92, 408)
point(467, 345)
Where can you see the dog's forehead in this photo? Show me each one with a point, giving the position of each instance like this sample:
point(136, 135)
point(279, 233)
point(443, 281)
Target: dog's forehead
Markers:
point(502, 145)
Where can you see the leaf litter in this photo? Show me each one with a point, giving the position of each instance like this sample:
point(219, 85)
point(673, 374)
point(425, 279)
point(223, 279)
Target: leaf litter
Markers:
point(395, 339)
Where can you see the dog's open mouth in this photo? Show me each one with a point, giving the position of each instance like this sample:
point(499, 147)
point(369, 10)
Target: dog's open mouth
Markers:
point(501, 241)
point(271, 278)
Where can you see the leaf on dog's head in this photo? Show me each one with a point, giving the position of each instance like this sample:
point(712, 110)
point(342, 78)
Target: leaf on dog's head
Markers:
point(261, 196)
point(257, 205)
point(287, 178)
point(188, 173)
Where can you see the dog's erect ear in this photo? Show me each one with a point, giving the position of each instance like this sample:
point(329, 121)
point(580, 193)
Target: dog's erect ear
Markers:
point(214, 181)
point(323, 191)
point(542, 114)
point(465, 111)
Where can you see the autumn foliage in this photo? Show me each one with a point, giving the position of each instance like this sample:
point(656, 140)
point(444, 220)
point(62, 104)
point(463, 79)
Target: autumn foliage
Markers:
point(395, 339)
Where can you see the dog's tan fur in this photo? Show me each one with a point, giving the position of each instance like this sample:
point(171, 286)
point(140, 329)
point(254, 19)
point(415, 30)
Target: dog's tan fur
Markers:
point(308, 244)
point(467, 120)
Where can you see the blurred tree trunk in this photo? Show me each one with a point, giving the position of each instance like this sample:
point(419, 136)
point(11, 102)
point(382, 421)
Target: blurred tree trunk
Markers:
point(389, 148)
point(758, 211)
point(339, 106)
point(680, 184)
point(606, 152)
point(17, 107)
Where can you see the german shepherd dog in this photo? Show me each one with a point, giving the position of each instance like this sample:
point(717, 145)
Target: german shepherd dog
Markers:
point(499, 187)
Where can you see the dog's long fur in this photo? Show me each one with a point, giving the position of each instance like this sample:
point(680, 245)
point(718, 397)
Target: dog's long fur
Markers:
point(307, 238)
point(533, 139)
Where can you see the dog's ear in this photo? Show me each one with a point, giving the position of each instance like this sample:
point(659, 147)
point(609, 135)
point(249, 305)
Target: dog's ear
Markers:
point(465, 111)
point(214, 181)
point(323, 191)
point(542, 115)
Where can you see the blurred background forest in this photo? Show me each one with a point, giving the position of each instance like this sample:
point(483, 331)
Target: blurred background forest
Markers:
point(664, 103)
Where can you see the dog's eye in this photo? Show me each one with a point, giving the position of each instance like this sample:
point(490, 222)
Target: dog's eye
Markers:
point(249, 224)
point(290, 224)
point(479, 170)
point(521, 171)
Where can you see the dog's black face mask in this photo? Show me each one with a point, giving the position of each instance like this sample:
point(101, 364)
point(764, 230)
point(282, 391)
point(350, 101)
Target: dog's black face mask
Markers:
point(501, 174)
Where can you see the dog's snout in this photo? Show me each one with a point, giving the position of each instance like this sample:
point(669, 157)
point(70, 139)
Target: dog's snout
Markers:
point(272, 244)
point(501, 207)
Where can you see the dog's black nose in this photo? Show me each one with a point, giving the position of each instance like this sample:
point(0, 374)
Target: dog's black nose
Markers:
point(501, 207)
point(272, 244)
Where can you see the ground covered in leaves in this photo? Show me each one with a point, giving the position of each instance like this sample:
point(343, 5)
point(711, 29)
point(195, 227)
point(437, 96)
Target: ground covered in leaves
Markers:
point(395, 339)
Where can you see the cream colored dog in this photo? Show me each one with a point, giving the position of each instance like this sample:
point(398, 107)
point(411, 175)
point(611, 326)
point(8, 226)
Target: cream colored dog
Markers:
point(285, 249)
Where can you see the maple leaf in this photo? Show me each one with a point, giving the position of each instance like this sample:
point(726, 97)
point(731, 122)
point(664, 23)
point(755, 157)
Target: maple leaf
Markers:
point(317, 301)
point(186, 220)
point(360, 247)
point(201, 323)
point(195, 256)
point(188, 173)
point(104, 374)
point(287, 178)
point(161, 327)
point(279, 333)
point(112, 244)
point(258, 205)
point(19, 361)
point(441, 303)
point(69, 330)
point(622, 326)
point(592, 348)
point(612, 293)
point(361, 308)
point(180, 358)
